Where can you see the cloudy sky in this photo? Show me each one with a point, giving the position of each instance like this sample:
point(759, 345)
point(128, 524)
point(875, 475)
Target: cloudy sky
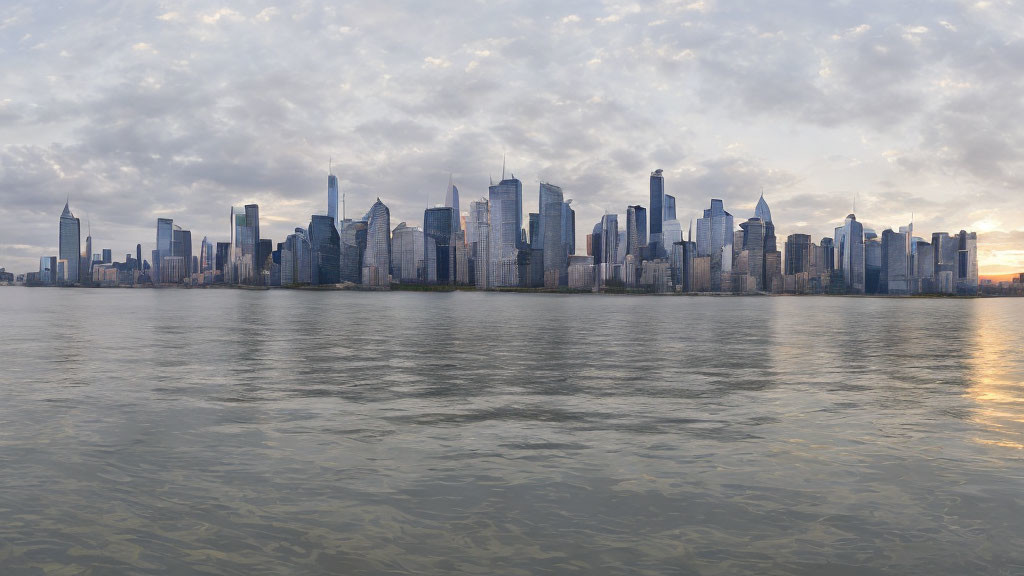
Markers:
point(140, 110)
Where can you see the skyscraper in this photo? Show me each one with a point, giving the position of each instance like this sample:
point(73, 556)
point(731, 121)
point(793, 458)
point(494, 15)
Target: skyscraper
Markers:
point(406, 253)
point(657, 213)
point(69, 245)
point(164, 237)
point(505, 200)
point(894, 273)
point(798, 249)
point(332, 197)
point(377, 258)
point(849, 251)
point(438, 250)
point(715, 240)
point(552, 238)
point(670, 208)
point(966, 276)
point(325, 243)
point(353, 248)
point(451, 200)
point(479, 244)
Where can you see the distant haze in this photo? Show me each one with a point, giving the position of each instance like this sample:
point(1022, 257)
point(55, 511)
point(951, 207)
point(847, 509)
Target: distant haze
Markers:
point(181, 109)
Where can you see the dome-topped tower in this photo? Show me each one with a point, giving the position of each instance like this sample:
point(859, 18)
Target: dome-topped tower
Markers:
point(762, 211)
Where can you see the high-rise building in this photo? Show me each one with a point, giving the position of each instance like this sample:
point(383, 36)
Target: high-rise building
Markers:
point(849, 251)
point(205, 255)
point(332, 197)
point(606, 248)
point(872, 263)
point(353, 248)
point(377, 258)
point(296, 259)
point(569, 227)
point(438, 248)
point(829, 261)
point(505, 200)
point(325, 258)
point(636, 230)
point(85, 263)
point(479, 243)
point(223, 259)
point(552, 238)
point(451, 200)
point(108, 256)
point(670, 208)
point(798, 253)
point(69, 246)
point(657, 212)
point(164, 237)
point(966, 273)
point(715, 240)
point(406, 253)
point(245, 233)
point(894, 273)
point(753, 245)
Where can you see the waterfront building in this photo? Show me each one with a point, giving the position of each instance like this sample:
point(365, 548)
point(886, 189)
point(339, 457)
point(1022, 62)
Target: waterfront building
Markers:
point(479, 237)
point(581, 272)
point(297, 259)
point(506, 220)
point(872, 262)
point(944, 252)
point(753, 246)
point(555, 253)
point(377, 258)
point(715, 240)
point(849, 255)
point(406, 254)
point(69, 245)
point(438, 246)
point(451, 200)
point(353, 248)
point(606, 247)
point(893, 277)
point(569, 228)
point(325, 256)
point(206, 261)
point(828, 262)
point(966, 273)
point(332, 197)
point(636, 233)
point(702, 273)
point(798, 253)
point(172, 269)
point(657, 212)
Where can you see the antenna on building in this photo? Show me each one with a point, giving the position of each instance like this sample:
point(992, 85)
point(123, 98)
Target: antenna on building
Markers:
point(502, 165)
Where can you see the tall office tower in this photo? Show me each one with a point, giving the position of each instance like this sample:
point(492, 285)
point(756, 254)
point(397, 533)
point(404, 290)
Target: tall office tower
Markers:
point(479, 251)
point(944, 252)
point(762, 211)
point(181, 247)
point(406, 253)
point(296, 259)
point(849, 251)
point(237, 233)
point(829, 262)
point(461, 256)
point(555, 261)
point(353, 247)
point(798, 253)
point(325, 258)
point(223, 259)
point(138, 257)
point(670, 208)
point(606, 248)
point(633, 245)
point(275, 265)
point(69, 245)
point(164, 236)
point(252, 239)
point(205, 255)
point(715, 240)
point(438, 248)
point(451, 200)
point(108, 256)
point(505, 200)
point(85, 262)
point(377, 258)
point(636, 230)
point(872, 262)
point(536, 258)
point(966, 276)
point(753, 245)
point(569, 228)
point(683, 254)
point(332, 197)
point(657, 212)
point(245, 233)
point(893, 277)
point(265, 256)
point(924, 268)
point(671, 232)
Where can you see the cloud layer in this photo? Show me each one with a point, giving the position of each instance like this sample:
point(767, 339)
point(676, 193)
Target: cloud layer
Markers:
point(142, 110)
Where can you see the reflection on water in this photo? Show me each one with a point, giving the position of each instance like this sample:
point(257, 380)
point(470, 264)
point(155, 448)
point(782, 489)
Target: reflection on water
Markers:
point(231, 432)
point(997, 379)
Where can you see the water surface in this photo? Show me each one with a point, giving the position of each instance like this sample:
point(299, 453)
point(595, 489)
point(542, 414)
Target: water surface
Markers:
point(289, 432)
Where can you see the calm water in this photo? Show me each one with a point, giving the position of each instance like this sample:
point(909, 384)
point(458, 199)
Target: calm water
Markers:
point(233, 432)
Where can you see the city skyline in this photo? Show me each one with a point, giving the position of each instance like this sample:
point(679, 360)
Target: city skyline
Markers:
point(908, 110)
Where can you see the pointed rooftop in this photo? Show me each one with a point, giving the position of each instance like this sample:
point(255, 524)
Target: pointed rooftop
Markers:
point(67, 212)
point(762, 211)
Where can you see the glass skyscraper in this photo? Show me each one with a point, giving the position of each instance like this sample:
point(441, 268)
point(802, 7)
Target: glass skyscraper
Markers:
point(325, 242)
point(552, 238)
point(479, 241)
point(69, 245)
point(506, 222)
point(849, 251)
point(377, 257)
point(657, 213)
point(715, 240)
point(406, 253)
point(332, 199)
point(438, 249)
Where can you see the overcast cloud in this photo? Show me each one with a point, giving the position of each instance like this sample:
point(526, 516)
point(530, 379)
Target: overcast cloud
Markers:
point(142, 110)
